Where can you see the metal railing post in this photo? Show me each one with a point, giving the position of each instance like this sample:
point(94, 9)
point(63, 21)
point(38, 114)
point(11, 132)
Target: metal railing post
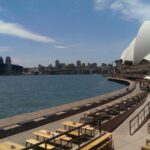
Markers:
point(139, 120)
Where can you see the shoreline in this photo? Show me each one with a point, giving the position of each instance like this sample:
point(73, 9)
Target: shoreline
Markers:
point(59, 109)
point(22, 123)
point(42, 112)
point(30, 94)
point(20, 136)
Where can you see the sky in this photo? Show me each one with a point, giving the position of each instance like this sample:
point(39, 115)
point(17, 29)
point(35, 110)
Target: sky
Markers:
point(36, 32)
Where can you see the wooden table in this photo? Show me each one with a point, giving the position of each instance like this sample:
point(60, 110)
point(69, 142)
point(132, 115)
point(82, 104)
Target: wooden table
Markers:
point(76, 124)
point(44, 134)
point(43, 146)
point(87, 113)
point(64, 137)
point(48, 135)
point(71, 124)
point(8, 145)
point(2, 147)
point(89, 128)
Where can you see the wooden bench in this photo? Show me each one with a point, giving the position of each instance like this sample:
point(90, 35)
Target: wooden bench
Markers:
point(103, 147)
point(90, 129)
point(146, 147)
point(73, 133)
point(8, 145)
point(97, 141)
point(107, 145)
point(44, 146)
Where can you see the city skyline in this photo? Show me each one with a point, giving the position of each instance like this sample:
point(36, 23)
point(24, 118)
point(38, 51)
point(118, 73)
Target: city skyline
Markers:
point(41, 31)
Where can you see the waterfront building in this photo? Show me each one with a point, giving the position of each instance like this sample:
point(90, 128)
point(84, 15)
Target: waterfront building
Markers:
point(40, 68)
point(94, 65)
point(57, 64)
point(72, 68)
point(8, 60)
point(16, 69)
point(50, 66)
point(78, 63)
point(139, 49)
point(7, 68)
point(135, 59)
point(8, 65)
point(83, 65)
point(63, 66)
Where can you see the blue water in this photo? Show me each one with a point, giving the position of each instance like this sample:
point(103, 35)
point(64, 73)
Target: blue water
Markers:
point(21, 94)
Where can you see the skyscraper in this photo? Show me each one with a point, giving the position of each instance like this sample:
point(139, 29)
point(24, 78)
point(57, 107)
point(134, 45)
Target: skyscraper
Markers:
point(1, 60)
point(8, 65)
point(78, 63)
point(57, 64)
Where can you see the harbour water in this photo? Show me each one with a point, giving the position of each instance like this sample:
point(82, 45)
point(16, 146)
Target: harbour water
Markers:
point(22, 94)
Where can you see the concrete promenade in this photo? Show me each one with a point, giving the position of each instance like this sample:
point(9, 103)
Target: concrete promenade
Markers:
point(124, 141)
point(21, 137)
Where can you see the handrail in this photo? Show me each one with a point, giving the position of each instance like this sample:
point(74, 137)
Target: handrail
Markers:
point(138, 121)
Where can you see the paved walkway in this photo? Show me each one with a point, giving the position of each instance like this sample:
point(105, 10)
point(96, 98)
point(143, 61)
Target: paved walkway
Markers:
point(122, 138)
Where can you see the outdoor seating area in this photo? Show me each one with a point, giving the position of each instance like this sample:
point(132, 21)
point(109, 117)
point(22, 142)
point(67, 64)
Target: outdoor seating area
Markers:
point(85, 134)
point(72, 135)
point(114, 109)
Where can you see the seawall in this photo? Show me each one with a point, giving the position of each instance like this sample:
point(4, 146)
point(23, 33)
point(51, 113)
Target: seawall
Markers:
point(121, 81)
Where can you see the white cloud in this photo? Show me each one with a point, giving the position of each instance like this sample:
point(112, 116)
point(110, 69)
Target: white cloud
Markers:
point(129, 9)
point(60, 46)
point(101, 4)
point(5, 49)
point(16, 30)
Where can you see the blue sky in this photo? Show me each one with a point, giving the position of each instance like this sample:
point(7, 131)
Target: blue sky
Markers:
point(36, 32)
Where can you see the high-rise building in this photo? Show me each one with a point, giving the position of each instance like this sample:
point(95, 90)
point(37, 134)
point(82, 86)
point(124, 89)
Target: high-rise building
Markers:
point(78, 63)
point(8, 60)
point(83, 65)
point(1, 60)
point(8, 65)
point(57, 64)
point(7, 68)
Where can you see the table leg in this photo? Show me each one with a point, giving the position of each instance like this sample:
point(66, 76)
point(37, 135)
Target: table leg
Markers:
point(37, 137)
point(26, 144)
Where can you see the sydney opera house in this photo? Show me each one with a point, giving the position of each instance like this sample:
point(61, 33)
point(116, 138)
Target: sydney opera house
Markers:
point(139, 49)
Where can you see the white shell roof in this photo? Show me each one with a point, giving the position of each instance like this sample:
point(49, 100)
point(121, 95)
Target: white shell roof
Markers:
point(142, 45)
point(139, 48)
point(128, 53)
point(147, 57)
